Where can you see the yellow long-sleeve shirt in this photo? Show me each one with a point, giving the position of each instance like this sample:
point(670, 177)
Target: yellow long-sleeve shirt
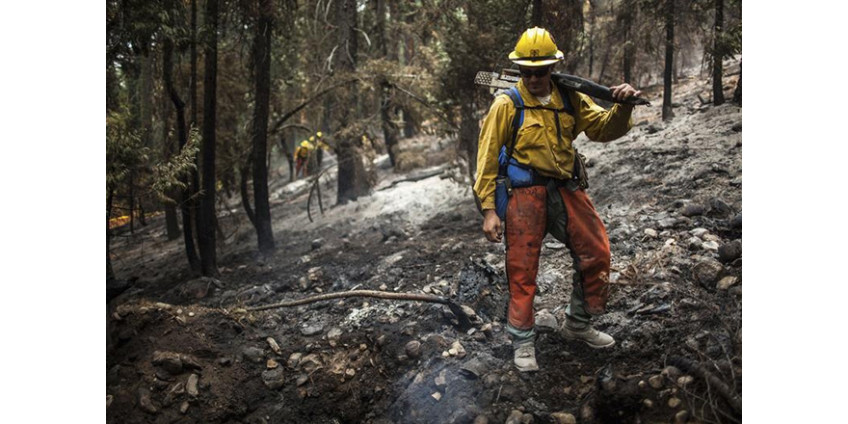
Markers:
point(536, 144)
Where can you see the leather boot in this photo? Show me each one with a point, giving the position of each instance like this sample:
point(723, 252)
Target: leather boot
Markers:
point(525, 357)
point(586, 333)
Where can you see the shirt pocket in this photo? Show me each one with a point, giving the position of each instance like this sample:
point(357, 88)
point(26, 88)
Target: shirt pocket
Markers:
point(533, 135)
point(568, 125)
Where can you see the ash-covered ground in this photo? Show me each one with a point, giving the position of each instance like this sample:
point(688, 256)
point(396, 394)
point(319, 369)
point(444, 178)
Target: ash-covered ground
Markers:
point(183, 349)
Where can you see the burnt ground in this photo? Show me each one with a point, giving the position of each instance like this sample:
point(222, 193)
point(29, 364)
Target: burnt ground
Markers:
point(185, 349)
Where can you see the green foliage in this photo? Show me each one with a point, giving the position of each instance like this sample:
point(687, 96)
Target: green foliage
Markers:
point(125, 152)
point(170, 177)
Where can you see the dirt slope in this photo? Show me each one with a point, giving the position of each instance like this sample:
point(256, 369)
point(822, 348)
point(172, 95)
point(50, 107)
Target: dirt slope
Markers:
point(185, 350)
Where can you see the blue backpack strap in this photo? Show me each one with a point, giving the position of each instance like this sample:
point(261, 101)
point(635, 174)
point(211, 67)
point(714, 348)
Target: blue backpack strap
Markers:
point(517, 121)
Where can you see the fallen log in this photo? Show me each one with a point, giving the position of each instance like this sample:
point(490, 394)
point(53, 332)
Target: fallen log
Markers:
point(461, 316)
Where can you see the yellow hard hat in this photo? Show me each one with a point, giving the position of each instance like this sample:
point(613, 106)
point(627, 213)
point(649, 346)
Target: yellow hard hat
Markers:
point(320, 134)
point(304, 144)
point(312, 138)
point(536, 47)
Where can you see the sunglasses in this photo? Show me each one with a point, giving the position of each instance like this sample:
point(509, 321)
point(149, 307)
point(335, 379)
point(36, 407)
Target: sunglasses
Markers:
point(538, 72)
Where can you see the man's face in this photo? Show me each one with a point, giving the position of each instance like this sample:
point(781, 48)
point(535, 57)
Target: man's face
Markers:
point(537, 79)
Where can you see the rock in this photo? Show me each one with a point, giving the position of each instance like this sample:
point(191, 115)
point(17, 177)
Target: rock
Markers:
point(681, 417)
point(736, 222)
point(413, 349)
point(253, 354)
point(294, 360)
point(650, 232)
point(699, 232)
point(707, 272)
point(527, 419)
point(225, 361)
point(191, 385)
point(671, 372)
point(693, 210)
point(554, 245)
point(727, 282)
point(656, 382)
point(710, 245)
point(514, 417)
point(481, 419)
point(437, 396)
point(334, 333)
point(694, 243)
point(315, 273)
point(271, 364)
point(273, 379)
point(648, 403)
point(310, 329)
point(317, 243)
point(109, 400)
point(459, 350)
point(184, 407)
point(666, 223)
point(685, 380)
point(472, 314)
point(441, 379)
point(563, 418)
point(729, 252)
point(546, 321)
point(350, 372)
point(710, 237)
point(144, 401)
point(169, 361)
point(310, 363)
point(674, 402)
point(302, 379)
point(718, 207)
point(274, 346)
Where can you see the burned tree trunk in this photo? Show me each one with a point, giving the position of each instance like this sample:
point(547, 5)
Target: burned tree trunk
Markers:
point(182, 136)
point(536, 17)
point(207, 220)
point(262, 79)
point(468, 130)
point(354, 179)
point(718, 54)
point(667, 112)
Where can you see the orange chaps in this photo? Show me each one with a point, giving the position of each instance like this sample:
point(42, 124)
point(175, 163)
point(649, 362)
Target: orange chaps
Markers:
point(586, 238)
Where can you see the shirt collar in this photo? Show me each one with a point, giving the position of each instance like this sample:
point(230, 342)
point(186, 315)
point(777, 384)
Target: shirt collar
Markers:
point(531, 100)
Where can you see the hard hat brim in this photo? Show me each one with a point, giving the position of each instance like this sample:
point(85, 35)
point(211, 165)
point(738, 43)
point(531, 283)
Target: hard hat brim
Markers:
point(536, 61)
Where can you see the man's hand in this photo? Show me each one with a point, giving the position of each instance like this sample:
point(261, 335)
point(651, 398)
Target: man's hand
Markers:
point(624, 91)
point(492, 226)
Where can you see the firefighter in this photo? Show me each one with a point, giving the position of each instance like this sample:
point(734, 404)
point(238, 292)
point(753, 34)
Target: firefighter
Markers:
point(551, 198)
point(301, 156)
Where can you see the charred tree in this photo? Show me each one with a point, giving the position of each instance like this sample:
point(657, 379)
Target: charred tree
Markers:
point(468, 131)
point(387, 106)
point(110, 274)
point(354, 179)
point(182, 137)
point(718, 54)
point(206, 216)
point(628, 16)
point(536, 17)
point(667, 112)
point(262, 85)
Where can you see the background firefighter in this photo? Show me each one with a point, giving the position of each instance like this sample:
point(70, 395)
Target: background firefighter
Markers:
point(554, 201)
